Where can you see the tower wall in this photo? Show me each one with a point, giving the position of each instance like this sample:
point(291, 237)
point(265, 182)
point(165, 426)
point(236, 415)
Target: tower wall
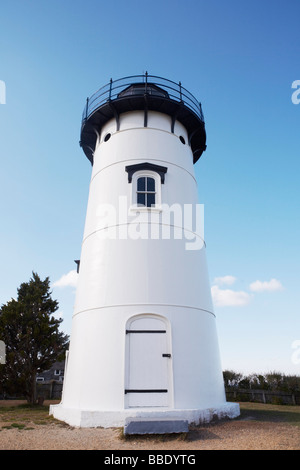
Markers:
point(143, 264)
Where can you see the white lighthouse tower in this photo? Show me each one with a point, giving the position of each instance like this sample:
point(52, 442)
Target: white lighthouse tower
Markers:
point(143, 341)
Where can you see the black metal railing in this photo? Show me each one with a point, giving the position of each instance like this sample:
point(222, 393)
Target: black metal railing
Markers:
point(111, 91)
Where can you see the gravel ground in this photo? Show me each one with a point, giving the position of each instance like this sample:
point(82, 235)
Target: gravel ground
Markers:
point(244, 433)
point(226, 436)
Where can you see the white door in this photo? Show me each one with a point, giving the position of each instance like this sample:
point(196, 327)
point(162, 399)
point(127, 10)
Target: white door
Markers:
point(148, 365)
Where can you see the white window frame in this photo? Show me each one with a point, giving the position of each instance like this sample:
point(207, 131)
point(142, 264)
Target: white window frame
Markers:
point(157, 179)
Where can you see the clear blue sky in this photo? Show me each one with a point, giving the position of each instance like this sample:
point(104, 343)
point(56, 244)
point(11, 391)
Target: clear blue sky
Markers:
point(239, 59)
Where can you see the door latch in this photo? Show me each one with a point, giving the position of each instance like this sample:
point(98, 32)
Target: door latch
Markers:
point(166, 355)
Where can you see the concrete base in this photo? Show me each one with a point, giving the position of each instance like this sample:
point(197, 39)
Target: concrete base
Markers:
point(155, 426)
point(116, 419)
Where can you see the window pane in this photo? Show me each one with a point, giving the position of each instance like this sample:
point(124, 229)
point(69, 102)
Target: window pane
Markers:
point(150, 184)
point(141, 199)
point(150, 199)
point(141, 184)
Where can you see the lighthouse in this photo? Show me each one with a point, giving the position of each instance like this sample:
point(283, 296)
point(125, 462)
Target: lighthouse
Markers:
point(144, 341)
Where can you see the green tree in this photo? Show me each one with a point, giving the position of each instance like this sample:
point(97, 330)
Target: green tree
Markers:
point(257, 381)
point(231, 378)
point(32, 337)
point(274, 380)
point(291, 383)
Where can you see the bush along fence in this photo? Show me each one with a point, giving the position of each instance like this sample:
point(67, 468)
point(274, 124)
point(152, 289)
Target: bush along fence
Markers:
point(271, 387)
point(263, 396)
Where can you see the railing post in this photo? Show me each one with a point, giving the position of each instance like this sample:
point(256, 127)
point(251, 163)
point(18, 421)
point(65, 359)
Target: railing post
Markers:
point(110, 87)
point(87, 107)
point(146, 81)
point(201, 113)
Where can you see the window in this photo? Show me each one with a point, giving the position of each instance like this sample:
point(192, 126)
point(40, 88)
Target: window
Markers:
point(146, 181)
point(145, 191)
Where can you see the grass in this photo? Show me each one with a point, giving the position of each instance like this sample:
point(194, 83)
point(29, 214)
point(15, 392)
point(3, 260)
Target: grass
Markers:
point(24, 416)
point(19, 426)
point(271, 413)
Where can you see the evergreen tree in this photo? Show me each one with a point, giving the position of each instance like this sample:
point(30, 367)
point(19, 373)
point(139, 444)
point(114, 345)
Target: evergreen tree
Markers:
point(32, 337)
